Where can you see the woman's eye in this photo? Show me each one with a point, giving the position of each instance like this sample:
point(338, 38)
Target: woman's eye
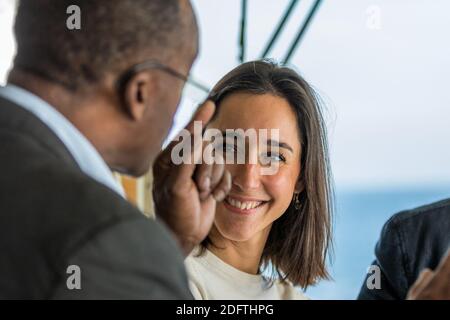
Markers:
point(274, 157)
point(229, 148)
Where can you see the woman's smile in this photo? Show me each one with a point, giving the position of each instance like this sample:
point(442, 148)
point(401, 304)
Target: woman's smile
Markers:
point(244, 205)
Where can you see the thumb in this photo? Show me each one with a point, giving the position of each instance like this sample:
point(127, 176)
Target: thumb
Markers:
point(204, 113)
point(201, 116)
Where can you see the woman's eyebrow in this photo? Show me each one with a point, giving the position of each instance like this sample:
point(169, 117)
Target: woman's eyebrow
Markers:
point(279, 144)
point(270, 142)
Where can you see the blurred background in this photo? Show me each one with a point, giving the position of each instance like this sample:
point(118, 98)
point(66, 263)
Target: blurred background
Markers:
point(382, 69)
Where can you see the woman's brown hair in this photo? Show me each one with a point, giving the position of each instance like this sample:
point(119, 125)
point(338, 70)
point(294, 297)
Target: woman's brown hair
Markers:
point(300, 239)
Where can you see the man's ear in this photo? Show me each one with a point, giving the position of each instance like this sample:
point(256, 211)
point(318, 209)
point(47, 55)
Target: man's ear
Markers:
point(137, 95)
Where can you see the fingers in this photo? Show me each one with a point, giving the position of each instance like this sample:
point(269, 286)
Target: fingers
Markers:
point(204, 113)
point(422, 281)
point(433, 284)
point(202, 177)
point(444, 265)
point(217, 174)
point(208, 176)
point(223, 188)
point(195, 127)
point(180, 179)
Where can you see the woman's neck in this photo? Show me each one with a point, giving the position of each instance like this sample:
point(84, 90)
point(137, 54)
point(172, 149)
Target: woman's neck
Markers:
point(244, 256)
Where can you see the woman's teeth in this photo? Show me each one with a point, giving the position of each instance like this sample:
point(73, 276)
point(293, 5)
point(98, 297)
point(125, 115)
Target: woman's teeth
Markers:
point(243, 205)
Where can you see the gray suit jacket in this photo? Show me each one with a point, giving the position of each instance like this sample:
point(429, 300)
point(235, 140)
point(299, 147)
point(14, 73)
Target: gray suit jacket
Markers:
point(53, 216)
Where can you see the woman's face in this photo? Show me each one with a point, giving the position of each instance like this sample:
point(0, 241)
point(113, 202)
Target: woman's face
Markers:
point(256, 200)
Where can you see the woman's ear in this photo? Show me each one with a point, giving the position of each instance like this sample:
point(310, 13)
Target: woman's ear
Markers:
point(138, 95)
point(299, 186)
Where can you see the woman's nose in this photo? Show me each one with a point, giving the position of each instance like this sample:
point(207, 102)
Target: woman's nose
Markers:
point(246, 176)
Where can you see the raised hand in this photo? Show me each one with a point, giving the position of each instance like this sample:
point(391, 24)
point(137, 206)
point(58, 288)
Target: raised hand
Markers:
point(433, 285)
point(186, 194)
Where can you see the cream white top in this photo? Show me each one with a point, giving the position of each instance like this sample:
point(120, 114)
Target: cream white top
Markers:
point(210, 278)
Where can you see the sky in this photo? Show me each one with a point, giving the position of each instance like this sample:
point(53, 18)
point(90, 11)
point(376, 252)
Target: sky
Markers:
point(381, 67)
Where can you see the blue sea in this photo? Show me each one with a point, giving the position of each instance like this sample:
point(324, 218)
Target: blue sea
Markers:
point(360, 215)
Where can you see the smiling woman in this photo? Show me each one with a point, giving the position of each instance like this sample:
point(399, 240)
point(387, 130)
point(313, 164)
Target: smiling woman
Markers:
point(276, 223)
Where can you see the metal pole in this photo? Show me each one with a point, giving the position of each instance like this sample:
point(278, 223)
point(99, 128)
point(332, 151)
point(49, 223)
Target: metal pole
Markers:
point(279, 28)
point(242, 33)
point(302, 31)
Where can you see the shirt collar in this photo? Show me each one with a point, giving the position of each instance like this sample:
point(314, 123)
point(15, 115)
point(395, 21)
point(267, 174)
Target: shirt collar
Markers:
point(84, 153)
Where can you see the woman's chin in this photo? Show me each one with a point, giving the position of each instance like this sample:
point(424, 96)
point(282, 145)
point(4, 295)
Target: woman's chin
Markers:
point(237, 234)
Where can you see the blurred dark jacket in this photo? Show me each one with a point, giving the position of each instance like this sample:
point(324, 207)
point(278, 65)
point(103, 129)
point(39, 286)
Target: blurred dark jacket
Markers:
point(410, 242)
point(53, 216)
